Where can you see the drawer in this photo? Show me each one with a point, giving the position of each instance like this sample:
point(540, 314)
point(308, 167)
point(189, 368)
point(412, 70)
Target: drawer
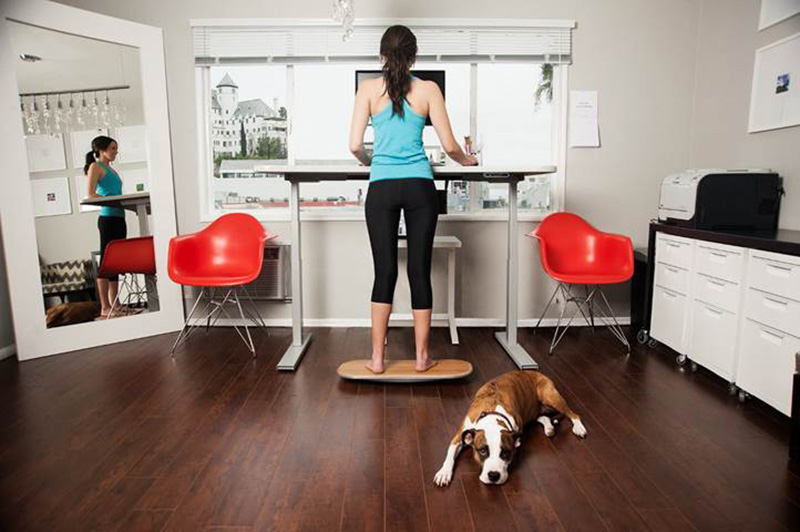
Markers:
point(674, 250)
point(722, 262)
point(774, 273)
point(668, 320)
point(773, 310)
point(713, 339)
point(765, 366)
point(723, 294)
point(672, 278)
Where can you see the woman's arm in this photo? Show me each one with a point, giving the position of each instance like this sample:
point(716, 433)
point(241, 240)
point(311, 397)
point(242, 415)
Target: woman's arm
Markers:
point(95, 175)
point(359, 124)
point(441, 123)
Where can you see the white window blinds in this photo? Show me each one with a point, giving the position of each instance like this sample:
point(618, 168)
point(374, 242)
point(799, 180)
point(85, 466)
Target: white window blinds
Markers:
point(285, 41)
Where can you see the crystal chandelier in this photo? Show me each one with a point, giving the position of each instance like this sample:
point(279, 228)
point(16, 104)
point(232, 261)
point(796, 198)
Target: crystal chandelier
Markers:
point(344, 13)
point(48, 113)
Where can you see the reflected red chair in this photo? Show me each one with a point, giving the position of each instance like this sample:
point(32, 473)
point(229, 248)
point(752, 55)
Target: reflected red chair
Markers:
point(224, 256)
point(573, 252)
point(129, 258)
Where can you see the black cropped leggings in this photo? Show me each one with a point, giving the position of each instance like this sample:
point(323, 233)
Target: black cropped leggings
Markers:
point(417, 198)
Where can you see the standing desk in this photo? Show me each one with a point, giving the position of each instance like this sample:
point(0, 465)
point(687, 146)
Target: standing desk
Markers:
point(311, 173)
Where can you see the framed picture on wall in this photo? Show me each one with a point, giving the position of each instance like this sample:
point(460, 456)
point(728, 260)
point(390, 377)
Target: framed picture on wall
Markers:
point(45, 153)
point(51, 196)
point(775, 95)
point(82, 144)
point(774, 11)
point(132, 142)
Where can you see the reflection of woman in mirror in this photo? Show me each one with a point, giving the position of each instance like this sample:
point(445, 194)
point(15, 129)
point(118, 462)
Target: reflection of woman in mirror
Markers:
point(104, 181)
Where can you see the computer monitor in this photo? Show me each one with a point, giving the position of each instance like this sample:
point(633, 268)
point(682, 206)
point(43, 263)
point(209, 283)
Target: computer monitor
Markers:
point(436, 76)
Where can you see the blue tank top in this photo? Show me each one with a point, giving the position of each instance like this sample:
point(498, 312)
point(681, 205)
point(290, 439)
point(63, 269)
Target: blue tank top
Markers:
point(398, 151)
point(110, 185)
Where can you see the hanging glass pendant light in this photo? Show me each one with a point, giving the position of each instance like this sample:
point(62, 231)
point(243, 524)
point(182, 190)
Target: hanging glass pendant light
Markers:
point(344, 13)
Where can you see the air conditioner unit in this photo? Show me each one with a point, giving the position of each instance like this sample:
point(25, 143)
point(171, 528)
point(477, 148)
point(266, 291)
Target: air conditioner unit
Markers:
point(275, 280)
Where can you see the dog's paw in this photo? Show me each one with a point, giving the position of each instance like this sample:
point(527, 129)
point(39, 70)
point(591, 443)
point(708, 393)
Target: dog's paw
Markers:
point(578, 429)
point(443, 476)
point(549, 432)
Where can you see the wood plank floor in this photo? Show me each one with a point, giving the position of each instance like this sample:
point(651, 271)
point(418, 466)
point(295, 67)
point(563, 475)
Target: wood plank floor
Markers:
point(125, 438)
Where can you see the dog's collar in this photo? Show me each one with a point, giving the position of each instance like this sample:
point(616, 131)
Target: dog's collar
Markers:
point(493, 413)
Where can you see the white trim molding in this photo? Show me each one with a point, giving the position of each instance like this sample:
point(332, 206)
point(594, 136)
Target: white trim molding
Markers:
point(8, 351)
point(400, 321)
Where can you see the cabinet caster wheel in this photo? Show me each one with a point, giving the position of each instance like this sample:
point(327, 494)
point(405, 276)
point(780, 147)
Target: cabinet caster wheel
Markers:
point(652, 343)
point(642, 337)
point(743, 395)
point(693, 367)
point(681, 360)
point(732, 388)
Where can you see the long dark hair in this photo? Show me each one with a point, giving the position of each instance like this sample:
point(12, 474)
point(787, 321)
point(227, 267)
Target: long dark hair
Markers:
point(99, 144)
point(399, 48)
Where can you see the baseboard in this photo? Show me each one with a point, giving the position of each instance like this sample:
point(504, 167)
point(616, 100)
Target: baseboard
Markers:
point(405, 321)
point(8, 351)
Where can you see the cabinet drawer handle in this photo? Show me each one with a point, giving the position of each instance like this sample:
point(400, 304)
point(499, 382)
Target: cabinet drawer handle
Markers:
point(712, 310)
point(672, 244)
point(779, 267)
point(772, 336)
point(716, 283)
point(718, 254)
point(670, 295)
point(671, 269)
point(778, 302)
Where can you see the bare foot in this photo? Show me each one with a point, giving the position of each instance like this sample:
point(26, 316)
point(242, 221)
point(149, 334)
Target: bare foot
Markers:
point(426, 364)
point(376, 367)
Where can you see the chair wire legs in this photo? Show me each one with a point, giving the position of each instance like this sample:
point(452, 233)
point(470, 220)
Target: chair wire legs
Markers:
point(133, 290)
point(596, 305)
point(216, 304)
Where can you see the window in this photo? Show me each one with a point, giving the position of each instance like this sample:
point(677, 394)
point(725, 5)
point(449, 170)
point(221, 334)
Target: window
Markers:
point(248, 75)
point(248, 94)
point(515, 129)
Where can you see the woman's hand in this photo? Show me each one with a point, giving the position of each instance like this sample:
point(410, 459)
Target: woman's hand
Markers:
point(470, 160)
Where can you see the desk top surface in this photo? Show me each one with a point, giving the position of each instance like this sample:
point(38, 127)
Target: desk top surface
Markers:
point(331, 170)
point(131, 199)
point(785, 241)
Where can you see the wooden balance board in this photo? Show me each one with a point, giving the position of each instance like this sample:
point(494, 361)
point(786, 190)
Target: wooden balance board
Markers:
point(403, 371)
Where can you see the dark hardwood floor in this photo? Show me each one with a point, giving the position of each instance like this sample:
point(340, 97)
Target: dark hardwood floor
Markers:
point(126, 438)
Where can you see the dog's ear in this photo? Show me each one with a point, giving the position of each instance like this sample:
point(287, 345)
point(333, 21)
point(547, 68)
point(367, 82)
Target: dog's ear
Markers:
point(517, 436)
point(468, 437)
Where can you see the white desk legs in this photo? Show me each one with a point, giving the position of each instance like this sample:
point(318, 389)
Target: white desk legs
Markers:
point(508, 338)
point(141, 214)
point(292, 356)
point(149, 281)
point(451, 295)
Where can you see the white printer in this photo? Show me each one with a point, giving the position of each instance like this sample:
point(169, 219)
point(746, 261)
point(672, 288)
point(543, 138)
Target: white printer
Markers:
point(721, 199)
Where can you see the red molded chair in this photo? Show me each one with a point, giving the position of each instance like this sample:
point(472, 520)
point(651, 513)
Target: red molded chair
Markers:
point(573, 252)
point(225, 255)
point(129, 256)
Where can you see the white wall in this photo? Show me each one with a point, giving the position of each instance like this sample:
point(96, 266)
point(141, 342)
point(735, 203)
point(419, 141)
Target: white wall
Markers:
point(638, 55)
point(728, 39)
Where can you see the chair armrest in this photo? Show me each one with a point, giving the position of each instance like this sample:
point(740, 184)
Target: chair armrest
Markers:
point(179, 246)
point(619, 246)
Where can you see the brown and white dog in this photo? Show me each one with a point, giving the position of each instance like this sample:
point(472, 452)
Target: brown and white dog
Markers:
point(493, 425)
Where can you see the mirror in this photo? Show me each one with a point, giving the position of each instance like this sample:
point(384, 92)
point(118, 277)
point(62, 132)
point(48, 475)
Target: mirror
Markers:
point(82, 113)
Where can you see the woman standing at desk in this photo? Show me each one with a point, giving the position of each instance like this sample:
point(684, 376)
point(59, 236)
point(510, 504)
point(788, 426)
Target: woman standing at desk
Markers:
point(401, 178)
point(104, 181)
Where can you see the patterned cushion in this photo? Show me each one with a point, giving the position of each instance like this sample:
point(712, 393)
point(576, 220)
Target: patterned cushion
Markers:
point(68, 276)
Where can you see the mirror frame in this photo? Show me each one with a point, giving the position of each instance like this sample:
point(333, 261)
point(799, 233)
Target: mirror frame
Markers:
point(33, 338)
